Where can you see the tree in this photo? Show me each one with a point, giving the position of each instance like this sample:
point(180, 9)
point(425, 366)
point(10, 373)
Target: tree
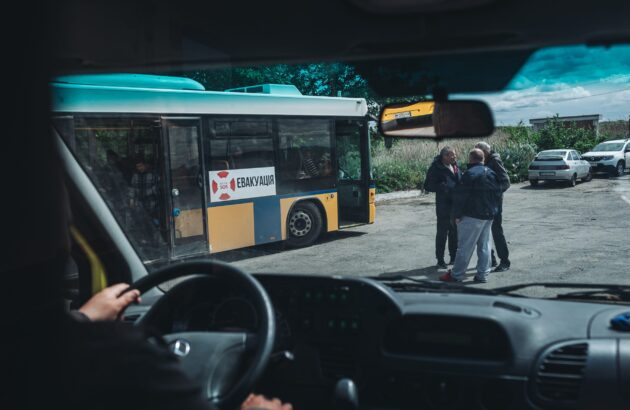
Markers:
point(557, 134)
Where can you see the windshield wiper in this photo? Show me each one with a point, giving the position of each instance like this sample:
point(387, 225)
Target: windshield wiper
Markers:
point(403, 283)
point(601, 292)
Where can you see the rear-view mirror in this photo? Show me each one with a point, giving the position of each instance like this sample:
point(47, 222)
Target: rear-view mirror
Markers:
point(432, 119)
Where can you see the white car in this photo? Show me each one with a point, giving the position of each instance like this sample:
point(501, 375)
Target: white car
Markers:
point(559, 165)
point(611, 157)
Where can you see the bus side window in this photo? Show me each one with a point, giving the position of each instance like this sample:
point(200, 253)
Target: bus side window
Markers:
point(305, 148)
point(239, 143)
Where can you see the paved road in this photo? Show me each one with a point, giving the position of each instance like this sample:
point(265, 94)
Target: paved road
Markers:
point(555, 233)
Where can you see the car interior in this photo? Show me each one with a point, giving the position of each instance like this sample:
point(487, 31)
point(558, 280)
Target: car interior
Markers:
point(316, 341)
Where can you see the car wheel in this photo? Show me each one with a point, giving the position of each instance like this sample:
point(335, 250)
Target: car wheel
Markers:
point(573, 180)
point(304, 225)
point(620, 168)
point(533, 182)
point(588, 177)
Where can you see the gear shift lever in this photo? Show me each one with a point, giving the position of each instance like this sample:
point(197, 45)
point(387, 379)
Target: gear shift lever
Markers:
point(346, 395)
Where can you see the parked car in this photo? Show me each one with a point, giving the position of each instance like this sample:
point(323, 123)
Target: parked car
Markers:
point(611, 157)
point(559, 165)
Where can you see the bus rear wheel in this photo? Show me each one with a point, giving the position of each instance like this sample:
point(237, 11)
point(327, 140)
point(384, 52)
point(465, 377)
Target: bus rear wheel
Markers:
point(304, 225)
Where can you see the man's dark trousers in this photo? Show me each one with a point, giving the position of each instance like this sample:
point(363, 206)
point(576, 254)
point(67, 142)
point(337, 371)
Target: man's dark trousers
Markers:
point(499, 239)
point(445, 230)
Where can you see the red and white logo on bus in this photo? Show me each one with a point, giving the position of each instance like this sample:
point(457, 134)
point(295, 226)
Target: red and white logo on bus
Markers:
point(242, 184)
point(223, 184)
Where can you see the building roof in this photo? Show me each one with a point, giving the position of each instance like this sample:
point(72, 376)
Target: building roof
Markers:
point(590, 117)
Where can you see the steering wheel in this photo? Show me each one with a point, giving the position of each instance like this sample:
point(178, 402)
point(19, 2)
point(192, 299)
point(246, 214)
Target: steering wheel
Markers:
point(216, 358)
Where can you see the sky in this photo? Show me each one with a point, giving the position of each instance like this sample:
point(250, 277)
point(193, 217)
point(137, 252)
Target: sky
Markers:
point(576, 80)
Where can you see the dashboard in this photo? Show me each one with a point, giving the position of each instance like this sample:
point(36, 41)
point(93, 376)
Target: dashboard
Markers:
point(423, 350)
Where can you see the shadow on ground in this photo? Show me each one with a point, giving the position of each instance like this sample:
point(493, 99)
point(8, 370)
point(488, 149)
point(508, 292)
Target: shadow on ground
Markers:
point(278, 247)
point(429, 273)
point(420, 273)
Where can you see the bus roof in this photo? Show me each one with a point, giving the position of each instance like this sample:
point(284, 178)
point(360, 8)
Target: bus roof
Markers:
point(141, 96)
point(132, 80)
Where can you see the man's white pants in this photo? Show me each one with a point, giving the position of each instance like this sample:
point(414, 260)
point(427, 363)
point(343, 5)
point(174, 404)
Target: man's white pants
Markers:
point(472, 232)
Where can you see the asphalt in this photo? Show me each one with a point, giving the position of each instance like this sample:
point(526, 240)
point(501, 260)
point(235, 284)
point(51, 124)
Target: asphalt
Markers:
point(555, 233)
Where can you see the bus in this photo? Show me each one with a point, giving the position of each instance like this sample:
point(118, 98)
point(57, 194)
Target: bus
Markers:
point(187, 172)
point(418, 116)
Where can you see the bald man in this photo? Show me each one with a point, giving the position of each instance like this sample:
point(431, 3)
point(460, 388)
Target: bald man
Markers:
point(475, 204)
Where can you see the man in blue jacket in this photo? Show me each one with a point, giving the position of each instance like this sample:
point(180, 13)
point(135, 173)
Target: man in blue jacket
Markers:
point(475, 204)
point(442, 178)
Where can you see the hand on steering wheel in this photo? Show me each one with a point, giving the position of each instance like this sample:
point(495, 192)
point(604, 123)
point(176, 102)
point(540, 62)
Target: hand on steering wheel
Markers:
point(214, 358)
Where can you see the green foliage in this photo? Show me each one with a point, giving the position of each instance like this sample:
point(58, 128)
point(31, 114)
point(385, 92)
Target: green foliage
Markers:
point(516, 157)
point(349, 156)
point(518, 133)
point(393, 176)
point(557, 134)
point(325, 79)
point(611, 130)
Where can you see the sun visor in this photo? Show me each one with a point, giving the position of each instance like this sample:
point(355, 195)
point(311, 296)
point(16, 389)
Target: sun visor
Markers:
point(463, 73)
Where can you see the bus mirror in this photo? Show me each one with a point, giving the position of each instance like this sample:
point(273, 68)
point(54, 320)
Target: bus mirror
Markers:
point(432, 119)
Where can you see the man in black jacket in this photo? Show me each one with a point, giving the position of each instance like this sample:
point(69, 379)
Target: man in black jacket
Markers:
point(442, 178)
point(475, 203)
point(493, 161)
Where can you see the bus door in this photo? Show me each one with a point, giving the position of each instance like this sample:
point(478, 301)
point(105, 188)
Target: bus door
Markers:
point(185, 186)
point(353, 171)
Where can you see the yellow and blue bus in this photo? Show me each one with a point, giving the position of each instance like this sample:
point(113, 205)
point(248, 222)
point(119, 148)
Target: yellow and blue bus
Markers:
point(187, 171)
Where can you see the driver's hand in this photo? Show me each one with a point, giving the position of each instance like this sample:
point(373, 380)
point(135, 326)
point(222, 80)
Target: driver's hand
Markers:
point(109, 304)
point(257, 401)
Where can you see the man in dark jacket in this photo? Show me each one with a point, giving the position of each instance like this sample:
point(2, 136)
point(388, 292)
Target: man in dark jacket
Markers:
point(493, 161)
point(475, 204)
point(442, 178)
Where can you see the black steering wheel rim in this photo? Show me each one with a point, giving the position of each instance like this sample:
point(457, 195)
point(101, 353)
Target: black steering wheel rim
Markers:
point(266, 330)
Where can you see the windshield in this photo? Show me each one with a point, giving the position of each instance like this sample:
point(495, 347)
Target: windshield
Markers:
point(282, 169)
point(609, 146)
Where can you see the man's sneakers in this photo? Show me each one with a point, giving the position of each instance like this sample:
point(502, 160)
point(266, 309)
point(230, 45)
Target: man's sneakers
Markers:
point(503, 266)
point(477, 279)
point(441, 264)
point(448, 277)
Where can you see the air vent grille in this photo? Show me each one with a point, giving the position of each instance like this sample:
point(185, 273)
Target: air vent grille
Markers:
point(337, 362)
point(560, 373)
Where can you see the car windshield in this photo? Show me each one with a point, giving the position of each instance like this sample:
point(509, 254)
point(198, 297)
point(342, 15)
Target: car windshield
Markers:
point(609, 146)
point(283, 169)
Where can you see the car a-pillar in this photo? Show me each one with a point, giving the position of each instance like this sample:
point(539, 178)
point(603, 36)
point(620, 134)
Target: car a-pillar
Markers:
point(305, 223)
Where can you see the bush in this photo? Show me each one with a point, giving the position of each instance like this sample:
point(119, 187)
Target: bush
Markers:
point(392, 176)
point(557, 135)
point(516, 157)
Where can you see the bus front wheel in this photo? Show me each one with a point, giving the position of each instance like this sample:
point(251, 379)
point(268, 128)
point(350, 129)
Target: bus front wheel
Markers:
point(304, 225)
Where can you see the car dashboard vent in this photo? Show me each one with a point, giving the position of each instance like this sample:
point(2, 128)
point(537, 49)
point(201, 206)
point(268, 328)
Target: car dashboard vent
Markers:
point(560, 373)
point(337, 362)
